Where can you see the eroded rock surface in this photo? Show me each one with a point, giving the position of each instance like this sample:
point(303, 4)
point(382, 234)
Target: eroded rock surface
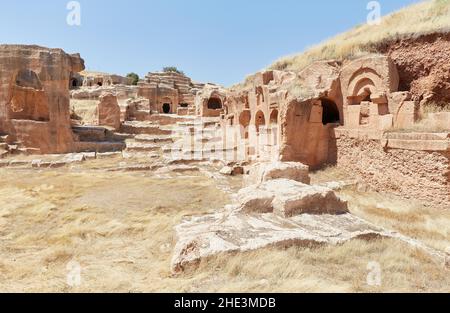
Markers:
point(274, 211)
point(265, 171)
point(201, 237)
point(34, 97)
point(289, 198)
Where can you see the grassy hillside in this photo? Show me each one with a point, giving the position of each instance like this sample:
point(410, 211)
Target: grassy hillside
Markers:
point(418, 19)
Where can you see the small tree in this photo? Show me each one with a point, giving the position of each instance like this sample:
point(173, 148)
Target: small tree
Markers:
point(134, 78)
point(172, 69)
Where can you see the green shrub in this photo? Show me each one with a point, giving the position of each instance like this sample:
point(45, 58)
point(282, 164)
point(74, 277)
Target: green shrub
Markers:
point(134, 78)
point(172, 69)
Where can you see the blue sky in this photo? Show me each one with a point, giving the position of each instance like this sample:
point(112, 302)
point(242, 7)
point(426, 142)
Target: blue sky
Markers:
point(218, 41)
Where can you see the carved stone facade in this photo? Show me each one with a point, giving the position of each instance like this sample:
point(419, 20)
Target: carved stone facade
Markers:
point(317, 115)
point(34, 97)
point(169, 93)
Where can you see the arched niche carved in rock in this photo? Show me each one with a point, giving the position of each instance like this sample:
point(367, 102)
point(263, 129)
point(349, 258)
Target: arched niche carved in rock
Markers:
point(28, 100)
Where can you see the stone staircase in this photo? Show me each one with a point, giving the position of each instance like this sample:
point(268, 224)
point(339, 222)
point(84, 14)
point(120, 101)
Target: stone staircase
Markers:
point(198, 139)
point(144, 128)
point(98, 139)
point(147, 139)
point(171, 140)
point(190, 140)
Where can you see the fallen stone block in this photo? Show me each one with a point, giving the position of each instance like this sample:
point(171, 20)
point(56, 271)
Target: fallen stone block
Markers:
point(74, 158)
point(232, 170)
point(262, 172)
point(255, 200)
point(289, 198)
point(295, 199)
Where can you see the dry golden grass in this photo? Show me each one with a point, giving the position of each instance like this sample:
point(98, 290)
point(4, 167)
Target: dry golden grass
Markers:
point(429, 225)
point(436, 107)
point(410, 218)
point(119, 227)
point(418, 19)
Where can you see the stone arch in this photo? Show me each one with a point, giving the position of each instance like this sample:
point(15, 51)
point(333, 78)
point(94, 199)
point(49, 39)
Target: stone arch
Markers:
point(260, 120)
point(244, 122)
point(166, 106)
point(274, 117)
point(363, 84)
point(259, 95)
point(214, 103)
point(363, 89)
point(74, 83)
point(331, 112)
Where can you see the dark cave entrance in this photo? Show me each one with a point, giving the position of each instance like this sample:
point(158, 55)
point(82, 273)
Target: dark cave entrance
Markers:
point(331, 113)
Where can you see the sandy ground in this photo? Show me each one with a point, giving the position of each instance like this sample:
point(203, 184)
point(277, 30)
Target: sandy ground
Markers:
point(118, 227)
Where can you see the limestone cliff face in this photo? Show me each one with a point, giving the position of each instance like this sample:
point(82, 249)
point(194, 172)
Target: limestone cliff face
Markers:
point(34, 96)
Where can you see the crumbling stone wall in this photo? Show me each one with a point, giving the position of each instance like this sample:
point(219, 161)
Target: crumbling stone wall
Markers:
point(97, 79)
point(209, 102)
point(421, 175)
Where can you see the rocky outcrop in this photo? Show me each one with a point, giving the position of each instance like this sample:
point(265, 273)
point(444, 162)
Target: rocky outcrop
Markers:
point(231, 231)
point(277, 213)
point(34, 96)
point(202, 237)
point(274, 212)
point(232, 170)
